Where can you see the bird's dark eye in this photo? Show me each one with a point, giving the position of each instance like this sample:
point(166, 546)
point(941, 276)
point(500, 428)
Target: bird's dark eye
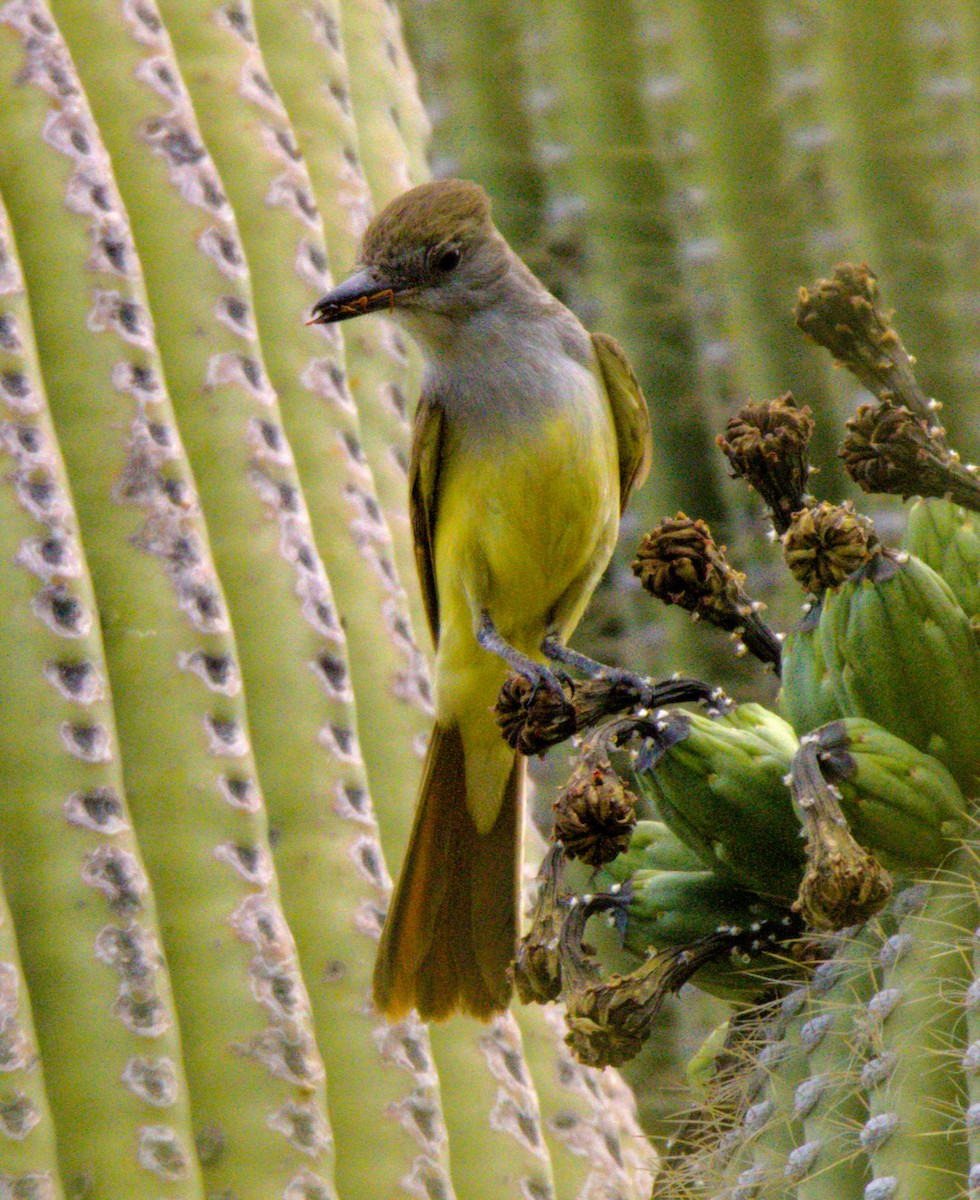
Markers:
point(448, 260)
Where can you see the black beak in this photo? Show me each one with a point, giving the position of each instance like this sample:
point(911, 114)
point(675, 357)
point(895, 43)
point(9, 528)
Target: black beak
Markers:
point(361, 293)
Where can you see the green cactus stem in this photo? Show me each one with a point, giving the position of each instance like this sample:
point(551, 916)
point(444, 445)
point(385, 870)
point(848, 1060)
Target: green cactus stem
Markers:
point(328, 857)
point(259, 1101)
point(80, 899)
point(915, 1133)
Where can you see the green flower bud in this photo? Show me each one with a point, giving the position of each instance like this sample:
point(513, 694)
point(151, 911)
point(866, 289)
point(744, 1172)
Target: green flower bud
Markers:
point(719, 785)
point(902, 804)
point(807, 696)
point(900, 651)
point(947, 538)
point(671, 909)
point(652, 847)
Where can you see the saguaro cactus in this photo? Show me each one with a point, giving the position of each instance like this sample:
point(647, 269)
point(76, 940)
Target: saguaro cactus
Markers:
point(207, 662)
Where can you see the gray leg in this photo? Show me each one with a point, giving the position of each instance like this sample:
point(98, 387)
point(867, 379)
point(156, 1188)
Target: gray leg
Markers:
point(536, 673)
point(555, 649)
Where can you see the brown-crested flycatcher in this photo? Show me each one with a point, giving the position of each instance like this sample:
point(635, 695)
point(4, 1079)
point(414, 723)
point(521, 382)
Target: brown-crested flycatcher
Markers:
point(529, 436)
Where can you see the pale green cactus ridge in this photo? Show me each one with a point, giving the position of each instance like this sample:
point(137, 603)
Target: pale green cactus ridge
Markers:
point(114, 1064)
point(246, 130)
point(184, 737)
point(492, 1113)
point(752, 219)
point(945, 537)
point(971, 1006)
point(392, 123)
point(589, 1117)
point(28, 1154)
point(476, 97)
point(792, 30)
point(303, 48)
point(701, 256)
point(901, 651)
point(295, 672)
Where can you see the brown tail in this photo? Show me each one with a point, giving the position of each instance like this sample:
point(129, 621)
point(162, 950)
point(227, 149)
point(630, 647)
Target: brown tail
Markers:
point(451, 929)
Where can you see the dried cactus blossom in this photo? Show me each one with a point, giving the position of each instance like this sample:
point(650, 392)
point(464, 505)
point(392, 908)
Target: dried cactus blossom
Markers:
point(680, 563)
point(826, 543)
point(767, 445)
point(844, 315)
point(595, 813)
point(844, 884)
point(531, 718)
point(891, 450)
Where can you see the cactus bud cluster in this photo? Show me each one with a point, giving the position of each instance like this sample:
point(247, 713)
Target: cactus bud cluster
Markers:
point(773, 850)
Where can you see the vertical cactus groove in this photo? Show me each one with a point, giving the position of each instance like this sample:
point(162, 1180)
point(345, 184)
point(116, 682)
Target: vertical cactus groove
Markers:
point(294, 668)
point(898, 100)
point(725, 53)
point(248, 134)
point(79, 896)
point(259, 1103)
point(475, 91)
point(303, 47)
point(391, 121)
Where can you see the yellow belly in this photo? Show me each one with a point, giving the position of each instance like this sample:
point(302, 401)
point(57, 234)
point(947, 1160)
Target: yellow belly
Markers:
point(518, 528)
point(524, 533)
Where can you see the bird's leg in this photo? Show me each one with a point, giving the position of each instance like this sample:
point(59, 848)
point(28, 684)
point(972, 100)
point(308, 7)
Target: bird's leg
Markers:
point(535, 673)
point(554, 648)
point(611, 679)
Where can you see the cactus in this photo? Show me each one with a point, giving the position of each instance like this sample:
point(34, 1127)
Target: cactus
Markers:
point(208, 668)
point(851, 1069)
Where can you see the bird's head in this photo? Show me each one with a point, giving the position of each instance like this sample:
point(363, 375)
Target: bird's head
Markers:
point(432, 253)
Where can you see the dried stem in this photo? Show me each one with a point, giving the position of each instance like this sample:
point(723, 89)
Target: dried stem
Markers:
point(844, 884)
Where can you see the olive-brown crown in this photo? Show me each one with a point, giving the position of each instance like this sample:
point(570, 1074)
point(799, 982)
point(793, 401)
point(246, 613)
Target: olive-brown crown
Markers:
point(442, 213)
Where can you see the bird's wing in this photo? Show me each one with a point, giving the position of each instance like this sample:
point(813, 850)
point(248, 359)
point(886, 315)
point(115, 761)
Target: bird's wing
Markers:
point(423, 480)
point(630, 415)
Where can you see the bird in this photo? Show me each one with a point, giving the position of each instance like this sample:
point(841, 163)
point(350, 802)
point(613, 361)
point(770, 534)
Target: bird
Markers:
point(530, 435)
